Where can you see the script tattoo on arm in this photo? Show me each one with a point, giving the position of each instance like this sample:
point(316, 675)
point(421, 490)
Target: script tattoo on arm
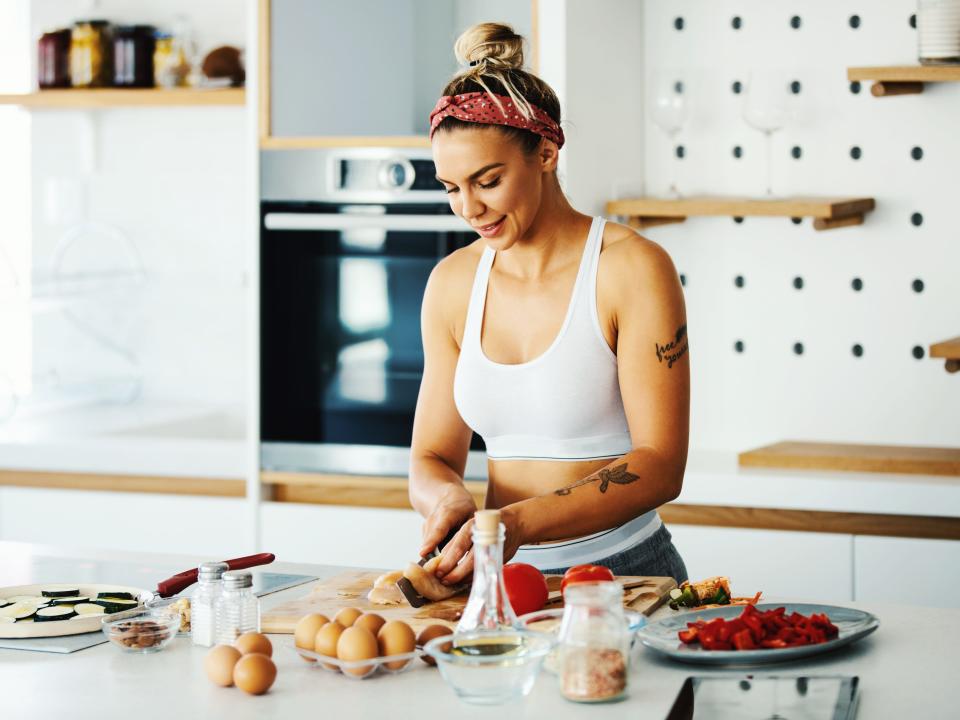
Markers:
point(618, 475)
point(675, 349)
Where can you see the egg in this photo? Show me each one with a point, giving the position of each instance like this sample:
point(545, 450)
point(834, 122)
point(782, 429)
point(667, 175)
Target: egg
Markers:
point(370, 621)
point(254, 673)
point(306, 632)
point(429, 633)
point(357, 643)
point(325, 643)
point(347, 616)
point(396, 638)
point(219, 664)
point(254, 642)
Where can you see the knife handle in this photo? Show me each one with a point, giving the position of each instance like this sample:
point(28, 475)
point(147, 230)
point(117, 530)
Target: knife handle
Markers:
point(181, 581)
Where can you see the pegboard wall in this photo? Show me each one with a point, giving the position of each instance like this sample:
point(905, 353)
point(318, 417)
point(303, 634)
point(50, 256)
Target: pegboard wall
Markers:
point(799, 334)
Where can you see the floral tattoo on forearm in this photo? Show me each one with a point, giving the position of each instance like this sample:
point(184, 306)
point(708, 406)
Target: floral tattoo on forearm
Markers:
point(618, 475)
point(675, 349)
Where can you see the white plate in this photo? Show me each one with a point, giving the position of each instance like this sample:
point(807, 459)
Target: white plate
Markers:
point(56, 628)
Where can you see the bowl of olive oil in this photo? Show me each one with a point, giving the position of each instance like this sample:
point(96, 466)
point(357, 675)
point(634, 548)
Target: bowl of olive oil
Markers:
point(490, 667)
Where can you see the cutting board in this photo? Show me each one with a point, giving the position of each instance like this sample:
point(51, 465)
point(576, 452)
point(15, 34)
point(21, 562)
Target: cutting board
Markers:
point(350, 589)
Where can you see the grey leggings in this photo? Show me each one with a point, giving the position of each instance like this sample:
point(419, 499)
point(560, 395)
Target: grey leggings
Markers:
point(654, 557)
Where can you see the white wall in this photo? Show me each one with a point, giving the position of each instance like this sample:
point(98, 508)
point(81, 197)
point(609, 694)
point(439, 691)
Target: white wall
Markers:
point(768, 393)
point(172, 181)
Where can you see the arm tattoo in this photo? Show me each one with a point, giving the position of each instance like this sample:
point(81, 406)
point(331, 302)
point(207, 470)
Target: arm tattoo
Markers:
point(675, 349)
point(618, 476)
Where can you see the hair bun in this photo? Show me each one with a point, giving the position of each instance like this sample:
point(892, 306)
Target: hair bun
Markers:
point(490, 43)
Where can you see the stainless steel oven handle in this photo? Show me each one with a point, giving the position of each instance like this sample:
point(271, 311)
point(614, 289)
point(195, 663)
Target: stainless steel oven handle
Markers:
point(341, 221)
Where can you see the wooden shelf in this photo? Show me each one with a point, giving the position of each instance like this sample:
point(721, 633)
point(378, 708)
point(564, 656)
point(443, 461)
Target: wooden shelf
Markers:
point(904, 79)
point(78, 99)
point(280, 142)
point(827, 213)
point(792, 455)
point(949, 351)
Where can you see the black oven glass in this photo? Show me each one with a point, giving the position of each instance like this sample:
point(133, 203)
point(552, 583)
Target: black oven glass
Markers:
point(341, 352)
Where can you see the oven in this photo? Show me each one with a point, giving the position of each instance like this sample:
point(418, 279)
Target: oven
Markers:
point(348, 239)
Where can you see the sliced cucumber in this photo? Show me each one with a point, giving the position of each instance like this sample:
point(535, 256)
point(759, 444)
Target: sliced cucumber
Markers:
point(18, 611)
point(55, 591)
point(50, 614)
point(82, 609)
point(69, 600)
point(116, 596)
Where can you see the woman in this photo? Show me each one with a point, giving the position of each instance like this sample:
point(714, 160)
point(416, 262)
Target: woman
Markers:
point(559, 338)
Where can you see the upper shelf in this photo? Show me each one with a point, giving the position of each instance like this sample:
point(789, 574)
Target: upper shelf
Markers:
point(827, 212)
point(949, 350)
point(78, 99)
point(904, 79)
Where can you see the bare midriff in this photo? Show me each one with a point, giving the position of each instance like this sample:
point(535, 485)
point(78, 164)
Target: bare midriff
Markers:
point(515, 480)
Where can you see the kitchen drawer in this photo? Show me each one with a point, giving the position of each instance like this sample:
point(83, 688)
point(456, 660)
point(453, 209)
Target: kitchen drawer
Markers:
point(907, 571)
point(784, 565)
point(136, 522)
point(340, 535)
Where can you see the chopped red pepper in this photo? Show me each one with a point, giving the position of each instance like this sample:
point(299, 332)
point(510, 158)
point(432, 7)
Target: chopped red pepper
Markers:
point(772, 629)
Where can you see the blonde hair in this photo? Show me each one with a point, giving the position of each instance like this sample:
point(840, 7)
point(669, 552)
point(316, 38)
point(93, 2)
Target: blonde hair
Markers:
point(493, 53)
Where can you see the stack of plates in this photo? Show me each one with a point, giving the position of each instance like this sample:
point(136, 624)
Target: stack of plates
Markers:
point(938, 31)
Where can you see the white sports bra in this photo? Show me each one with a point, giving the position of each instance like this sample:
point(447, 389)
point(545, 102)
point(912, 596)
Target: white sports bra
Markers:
point(564, 404)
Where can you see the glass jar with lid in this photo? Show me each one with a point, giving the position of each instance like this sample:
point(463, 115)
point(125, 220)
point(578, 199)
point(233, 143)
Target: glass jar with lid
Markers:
point(53, 59)
point(594, 643)
point(203, 603)
point(133, 48)
point(90, 54)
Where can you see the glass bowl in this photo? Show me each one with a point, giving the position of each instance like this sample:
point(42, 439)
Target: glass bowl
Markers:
point(142, 630)
point(173, 606)
point(548, 622)
point(490, 667)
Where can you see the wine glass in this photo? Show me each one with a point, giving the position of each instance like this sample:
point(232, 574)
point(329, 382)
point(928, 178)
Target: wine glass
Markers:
point(766, 108)
point(669, 110)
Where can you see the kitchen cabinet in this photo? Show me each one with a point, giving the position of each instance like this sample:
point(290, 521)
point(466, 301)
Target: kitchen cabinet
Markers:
point(784, 565)
point(363, 72)
point(907, 570)
point(363, 537)
point(135, 522)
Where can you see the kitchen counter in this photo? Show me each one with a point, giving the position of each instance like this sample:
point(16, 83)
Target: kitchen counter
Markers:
point(906, 669)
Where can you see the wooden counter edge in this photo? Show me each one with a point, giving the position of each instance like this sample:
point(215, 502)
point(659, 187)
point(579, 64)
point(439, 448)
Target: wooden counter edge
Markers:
point(205, 486)
point(391, 492)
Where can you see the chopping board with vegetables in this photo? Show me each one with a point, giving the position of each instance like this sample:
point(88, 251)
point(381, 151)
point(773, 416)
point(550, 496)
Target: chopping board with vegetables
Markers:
point(349, 589)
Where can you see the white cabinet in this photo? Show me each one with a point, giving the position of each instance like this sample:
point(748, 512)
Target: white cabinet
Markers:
point(784, 565)
point(340, 535)
point(907, 571)
point(134, 522)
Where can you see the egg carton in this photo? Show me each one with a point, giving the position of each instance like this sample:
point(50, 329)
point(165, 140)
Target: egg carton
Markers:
point(360, 669)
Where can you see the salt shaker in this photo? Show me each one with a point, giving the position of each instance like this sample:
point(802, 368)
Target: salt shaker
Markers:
point(202, 612)
point(237, 608)
point(594, 643)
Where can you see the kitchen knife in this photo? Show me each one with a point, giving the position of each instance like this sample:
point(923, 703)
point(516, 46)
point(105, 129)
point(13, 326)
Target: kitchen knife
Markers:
point(406, 587)
point(181, 581)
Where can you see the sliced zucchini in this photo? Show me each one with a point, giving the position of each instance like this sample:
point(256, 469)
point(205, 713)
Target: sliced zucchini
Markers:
point(18, 611)
point(113, 605)
point(69, 600)
point(35, 600)
point(116, 596)
point(55, 592)
point(49, 614)
point(85, 608)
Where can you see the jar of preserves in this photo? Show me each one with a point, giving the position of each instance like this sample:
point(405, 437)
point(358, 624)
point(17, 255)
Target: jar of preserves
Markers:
point(53, 59)
point(90, 54)
point(594, 643)
point(170, 66)
point(133, 47)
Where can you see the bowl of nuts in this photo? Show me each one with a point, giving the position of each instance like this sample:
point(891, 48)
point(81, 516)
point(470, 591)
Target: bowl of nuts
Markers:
point(173, 605)
point(142, 630)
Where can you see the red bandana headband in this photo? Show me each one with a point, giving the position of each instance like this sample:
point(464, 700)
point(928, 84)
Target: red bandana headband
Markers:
point(479, 107)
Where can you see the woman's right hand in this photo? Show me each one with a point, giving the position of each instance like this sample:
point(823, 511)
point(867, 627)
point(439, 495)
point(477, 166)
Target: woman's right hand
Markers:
point(455, 507)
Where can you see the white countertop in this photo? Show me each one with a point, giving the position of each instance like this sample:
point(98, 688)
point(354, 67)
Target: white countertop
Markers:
point(906, 669)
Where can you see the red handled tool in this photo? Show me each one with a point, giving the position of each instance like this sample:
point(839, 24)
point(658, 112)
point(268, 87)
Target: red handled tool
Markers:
point(181, 581)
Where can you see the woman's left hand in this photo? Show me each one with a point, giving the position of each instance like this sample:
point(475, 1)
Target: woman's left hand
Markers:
point(456, 560)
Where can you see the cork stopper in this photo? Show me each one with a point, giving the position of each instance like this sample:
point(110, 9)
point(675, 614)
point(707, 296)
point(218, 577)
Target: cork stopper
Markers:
point(487, 521)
